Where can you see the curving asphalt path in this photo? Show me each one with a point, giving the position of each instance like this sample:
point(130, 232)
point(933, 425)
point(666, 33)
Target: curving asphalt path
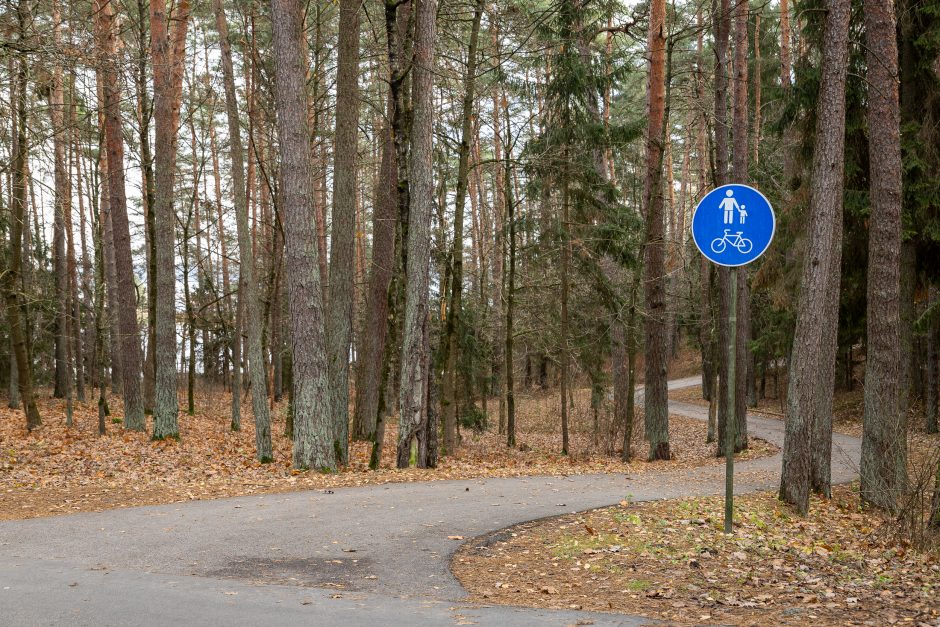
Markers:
point(277, 559)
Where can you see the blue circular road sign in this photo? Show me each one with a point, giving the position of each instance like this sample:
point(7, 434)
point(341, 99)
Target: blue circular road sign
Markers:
point(733, 225)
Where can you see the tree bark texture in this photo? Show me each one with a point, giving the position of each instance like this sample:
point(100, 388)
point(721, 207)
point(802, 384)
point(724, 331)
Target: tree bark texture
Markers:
point(739, 167)
point(167, 50)
point(933, 364)
point(125, 288)
point(812, 364)
point(343, 236)
point(656, 406)
point(414, 375)
point(248, 287)
point(510, 291)
point(374, 322)
point(452, 323)
point(11, 277)
point(63, 205)
point(721, 18)
point(313, 446)
point(884, 435)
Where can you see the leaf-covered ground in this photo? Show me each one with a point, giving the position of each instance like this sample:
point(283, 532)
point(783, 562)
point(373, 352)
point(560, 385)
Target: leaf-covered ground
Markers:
point(56, 470)
point(671, 560)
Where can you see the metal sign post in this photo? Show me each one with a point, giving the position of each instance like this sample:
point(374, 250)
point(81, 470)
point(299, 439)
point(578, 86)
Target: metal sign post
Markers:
point(732, 240)
point(732, 401)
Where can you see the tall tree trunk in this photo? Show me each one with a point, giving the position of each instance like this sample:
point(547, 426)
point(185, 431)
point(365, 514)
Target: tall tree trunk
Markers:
point(757, 88)
point(721, 18)
point(884, 438)
point(343, 235)
point(933, 364)
point(564, 233)
point(935, 501)
point(484, 231)
point(449, 340)
point(63, 205)
point(75, 308)
point(106, 242)
point(812, 363)
point(236, 382)
point(126, 288)
point(510, 285)
point(167, 49)
point(99, 280)
point(414, 375)
point(398, 39)
point(11, 277)
point(190, 311)
point(313, 446)
point(708, 338)
point(785, 35)
point(248, 289)
point(145, 113)
point(374, 321)
point(739, 166)
point(656, 407)
point(235, 343)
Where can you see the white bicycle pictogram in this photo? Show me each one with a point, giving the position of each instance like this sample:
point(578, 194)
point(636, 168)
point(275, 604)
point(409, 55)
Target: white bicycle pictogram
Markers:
point(736, 240)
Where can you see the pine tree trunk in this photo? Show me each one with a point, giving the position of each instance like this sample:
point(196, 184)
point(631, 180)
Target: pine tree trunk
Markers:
point(933, 364)
point(343, 234)
point(190, 312)
point(414, 375)
point(236, 382)
point(167, 50)
point(11, 277)
point(107, 242)
point(75, 305)
point(510, 288)
point(884, 439)
point(785, 35)
point(656, 408)
point(740, 140)
point(757, 88)
point(63, 204)
point(935, 501)
point(812, 362)
point(449, 339)
point(248, 289)
point(313, 446)
point(374, 322)
point(620, 376)
point(126, 290)
point(90, 331)
point(99, 281)
point(484, 232)
point(721, 19)
point(145, 114)
point(564, 358)
point(399, 43)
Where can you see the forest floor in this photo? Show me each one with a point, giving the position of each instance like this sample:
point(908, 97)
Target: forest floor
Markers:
point(59, 470)
point(670, 560)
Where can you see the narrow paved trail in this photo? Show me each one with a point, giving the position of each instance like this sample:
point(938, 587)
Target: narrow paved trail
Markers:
point(269, 560)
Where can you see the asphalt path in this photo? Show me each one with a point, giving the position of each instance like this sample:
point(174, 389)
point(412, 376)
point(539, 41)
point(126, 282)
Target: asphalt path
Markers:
point(355, 556)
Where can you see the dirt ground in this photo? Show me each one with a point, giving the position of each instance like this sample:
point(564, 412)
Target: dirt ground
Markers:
point(59, 470)
point(670, 560)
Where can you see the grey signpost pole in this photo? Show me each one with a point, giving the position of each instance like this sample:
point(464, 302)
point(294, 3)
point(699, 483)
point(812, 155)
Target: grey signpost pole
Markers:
point(732, 242)
point(730, 414)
